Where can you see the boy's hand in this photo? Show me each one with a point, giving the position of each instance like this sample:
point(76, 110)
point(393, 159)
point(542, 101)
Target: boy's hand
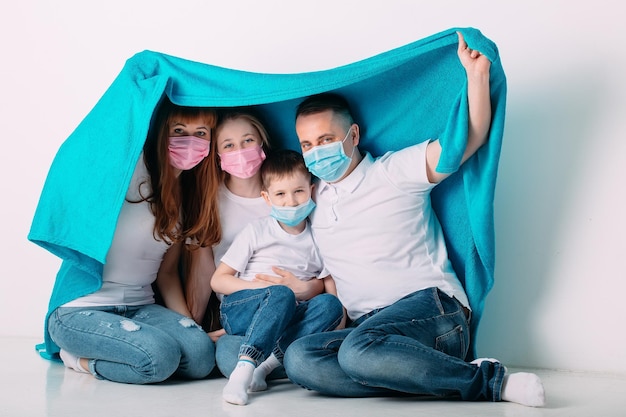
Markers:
point(304, 290)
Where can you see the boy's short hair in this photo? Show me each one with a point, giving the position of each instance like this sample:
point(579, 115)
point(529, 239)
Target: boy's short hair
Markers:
point(281, 163)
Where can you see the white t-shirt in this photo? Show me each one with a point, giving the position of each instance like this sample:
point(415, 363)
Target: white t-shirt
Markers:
point(263, 244)
point(134, 257)
point(378, 234)
point(235, 213)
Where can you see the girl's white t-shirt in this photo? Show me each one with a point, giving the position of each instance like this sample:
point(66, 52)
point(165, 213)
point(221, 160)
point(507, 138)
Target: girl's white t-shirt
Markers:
point(235, 213)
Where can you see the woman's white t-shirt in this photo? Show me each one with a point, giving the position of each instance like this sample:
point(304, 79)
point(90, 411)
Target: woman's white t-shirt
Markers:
point(135, 255)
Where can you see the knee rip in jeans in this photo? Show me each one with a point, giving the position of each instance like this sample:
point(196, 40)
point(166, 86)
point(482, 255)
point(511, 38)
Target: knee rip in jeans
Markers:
point(129, 325)
point(187, 322)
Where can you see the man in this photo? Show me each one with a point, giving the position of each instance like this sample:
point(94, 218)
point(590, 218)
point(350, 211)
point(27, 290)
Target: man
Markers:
point(384, 246)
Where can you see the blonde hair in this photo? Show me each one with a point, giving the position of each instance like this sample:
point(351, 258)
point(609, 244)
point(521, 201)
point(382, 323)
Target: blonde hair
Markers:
point(246, 114)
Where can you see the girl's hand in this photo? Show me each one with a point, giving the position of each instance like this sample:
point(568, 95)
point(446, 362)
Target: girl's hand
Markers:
point(216, 334)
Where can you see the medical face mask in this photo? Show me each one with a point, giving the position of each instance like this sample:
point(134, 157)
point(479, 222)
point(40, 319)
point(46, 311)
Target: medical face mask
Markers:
point(243, 163)
point(187, 151)
point(292, 216)
point(328, 162)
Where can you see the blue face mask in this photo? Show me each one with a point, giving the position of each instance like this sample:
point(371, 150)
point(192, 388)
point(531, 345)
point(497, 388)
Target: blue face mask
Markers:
point(292, 216)
point(328, 162)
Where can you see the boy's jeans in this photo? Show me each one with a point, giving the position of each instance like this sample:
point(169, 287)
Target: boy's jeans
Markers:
point(269, 319)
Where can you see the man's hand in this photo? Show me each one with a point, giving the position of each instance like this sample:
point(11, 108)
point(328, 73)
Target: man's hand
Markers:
point(472, 60)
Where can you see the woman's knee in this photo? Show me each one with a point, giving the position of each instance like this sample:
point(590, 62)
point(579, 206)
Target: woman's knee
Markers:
point(156, 364)
point(198, 352)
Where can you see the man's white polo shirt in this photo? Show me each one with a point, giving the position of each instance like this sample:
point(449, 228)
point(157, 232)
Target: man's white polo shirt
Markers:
point(378, 235)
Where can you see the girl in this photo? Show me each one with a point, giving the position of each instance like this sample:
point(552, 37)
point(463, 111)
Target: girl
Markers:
point(119, 333)
point(240, 145)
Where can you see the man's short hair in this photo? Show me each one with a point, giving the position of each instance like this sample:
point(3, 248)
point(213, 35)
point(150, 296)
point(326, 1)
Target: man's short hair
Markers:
point(319, 103)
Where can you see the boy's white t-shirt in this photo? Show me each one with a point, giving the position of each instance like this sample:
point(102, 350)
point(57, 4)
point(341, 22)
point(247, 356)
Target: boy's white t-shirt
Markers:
point(263, 244)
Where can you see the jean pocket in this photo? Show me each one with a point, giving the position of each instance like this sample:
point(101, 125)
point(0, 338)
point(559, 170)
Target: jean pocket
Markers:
point(452, 343)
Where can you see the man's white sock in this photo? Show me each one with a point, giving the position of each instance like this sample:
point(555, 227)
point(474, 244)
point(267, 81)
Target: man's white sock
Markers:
point(523, 388)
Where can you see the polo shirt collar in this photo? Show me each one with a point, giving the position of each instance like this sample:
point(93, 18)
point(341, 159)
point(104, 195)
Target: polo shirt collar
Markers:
point(352, 181)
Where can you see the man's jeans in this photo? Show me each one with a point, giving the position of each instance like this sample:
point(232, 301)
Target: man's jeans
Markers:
point(415, 346)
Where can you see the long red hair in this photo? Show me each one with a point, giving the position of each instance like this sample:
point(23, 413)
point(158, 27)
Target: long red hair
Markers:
point(184, 206)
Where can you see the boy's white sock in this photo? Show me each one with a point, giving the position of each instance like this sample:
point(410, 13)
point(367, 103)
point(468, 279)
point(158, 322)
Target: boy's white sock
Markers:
point(523, 388)
point(72, 362)
point(236, 390)
point(262, 371)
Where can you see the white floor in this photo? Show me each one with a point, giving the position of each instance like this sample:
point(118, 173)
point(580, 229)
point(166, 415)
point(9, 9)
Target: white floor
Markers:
point(31, 386)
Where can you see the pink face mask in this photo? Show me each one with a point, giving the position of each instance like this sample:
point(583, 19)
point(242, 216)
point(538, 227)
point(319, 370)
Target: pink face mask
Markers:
point(187, 151)
point(243, 163)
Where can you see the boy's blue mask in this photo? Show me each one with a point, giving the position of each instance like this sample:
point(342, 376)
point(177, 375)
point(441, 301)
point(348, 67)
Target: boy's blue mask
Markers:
point(292, 216)
point(328, 162)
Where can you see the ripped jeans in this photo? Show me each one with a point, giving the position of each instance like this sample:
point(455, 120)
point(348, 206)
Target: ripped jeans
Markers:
point(134, 344)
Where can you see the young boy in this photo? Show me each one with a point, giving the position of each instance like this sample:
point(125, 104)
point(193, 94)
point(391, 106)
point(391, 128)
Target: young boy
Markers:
point(269, 316)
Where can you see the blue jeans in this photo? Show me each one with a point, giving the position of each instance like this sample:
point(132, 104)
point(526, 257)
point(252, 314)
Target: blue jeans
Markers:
point(227, 355)
point(270, 319)
point(134, 344)
point(415, 346)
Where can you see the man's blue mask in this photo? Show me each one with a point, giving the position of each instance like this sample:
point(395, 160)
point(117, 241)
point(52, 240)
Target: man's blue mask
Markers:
point(328, 162)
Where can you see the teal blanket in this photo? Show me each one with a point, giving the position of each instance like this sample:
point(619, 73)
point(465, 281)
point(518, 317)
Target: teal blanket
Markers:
point(400, 97)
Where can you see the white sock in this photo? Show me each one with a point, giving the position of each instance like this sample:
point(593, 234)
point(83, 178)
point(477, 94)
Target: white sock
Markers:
point(236, 390)
point(262, 371)
point(523, 388)
point(72, 362)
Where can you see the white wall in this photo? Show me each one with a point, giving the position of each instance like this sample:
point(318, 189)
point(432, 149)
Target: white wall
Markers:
point(559, 295)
